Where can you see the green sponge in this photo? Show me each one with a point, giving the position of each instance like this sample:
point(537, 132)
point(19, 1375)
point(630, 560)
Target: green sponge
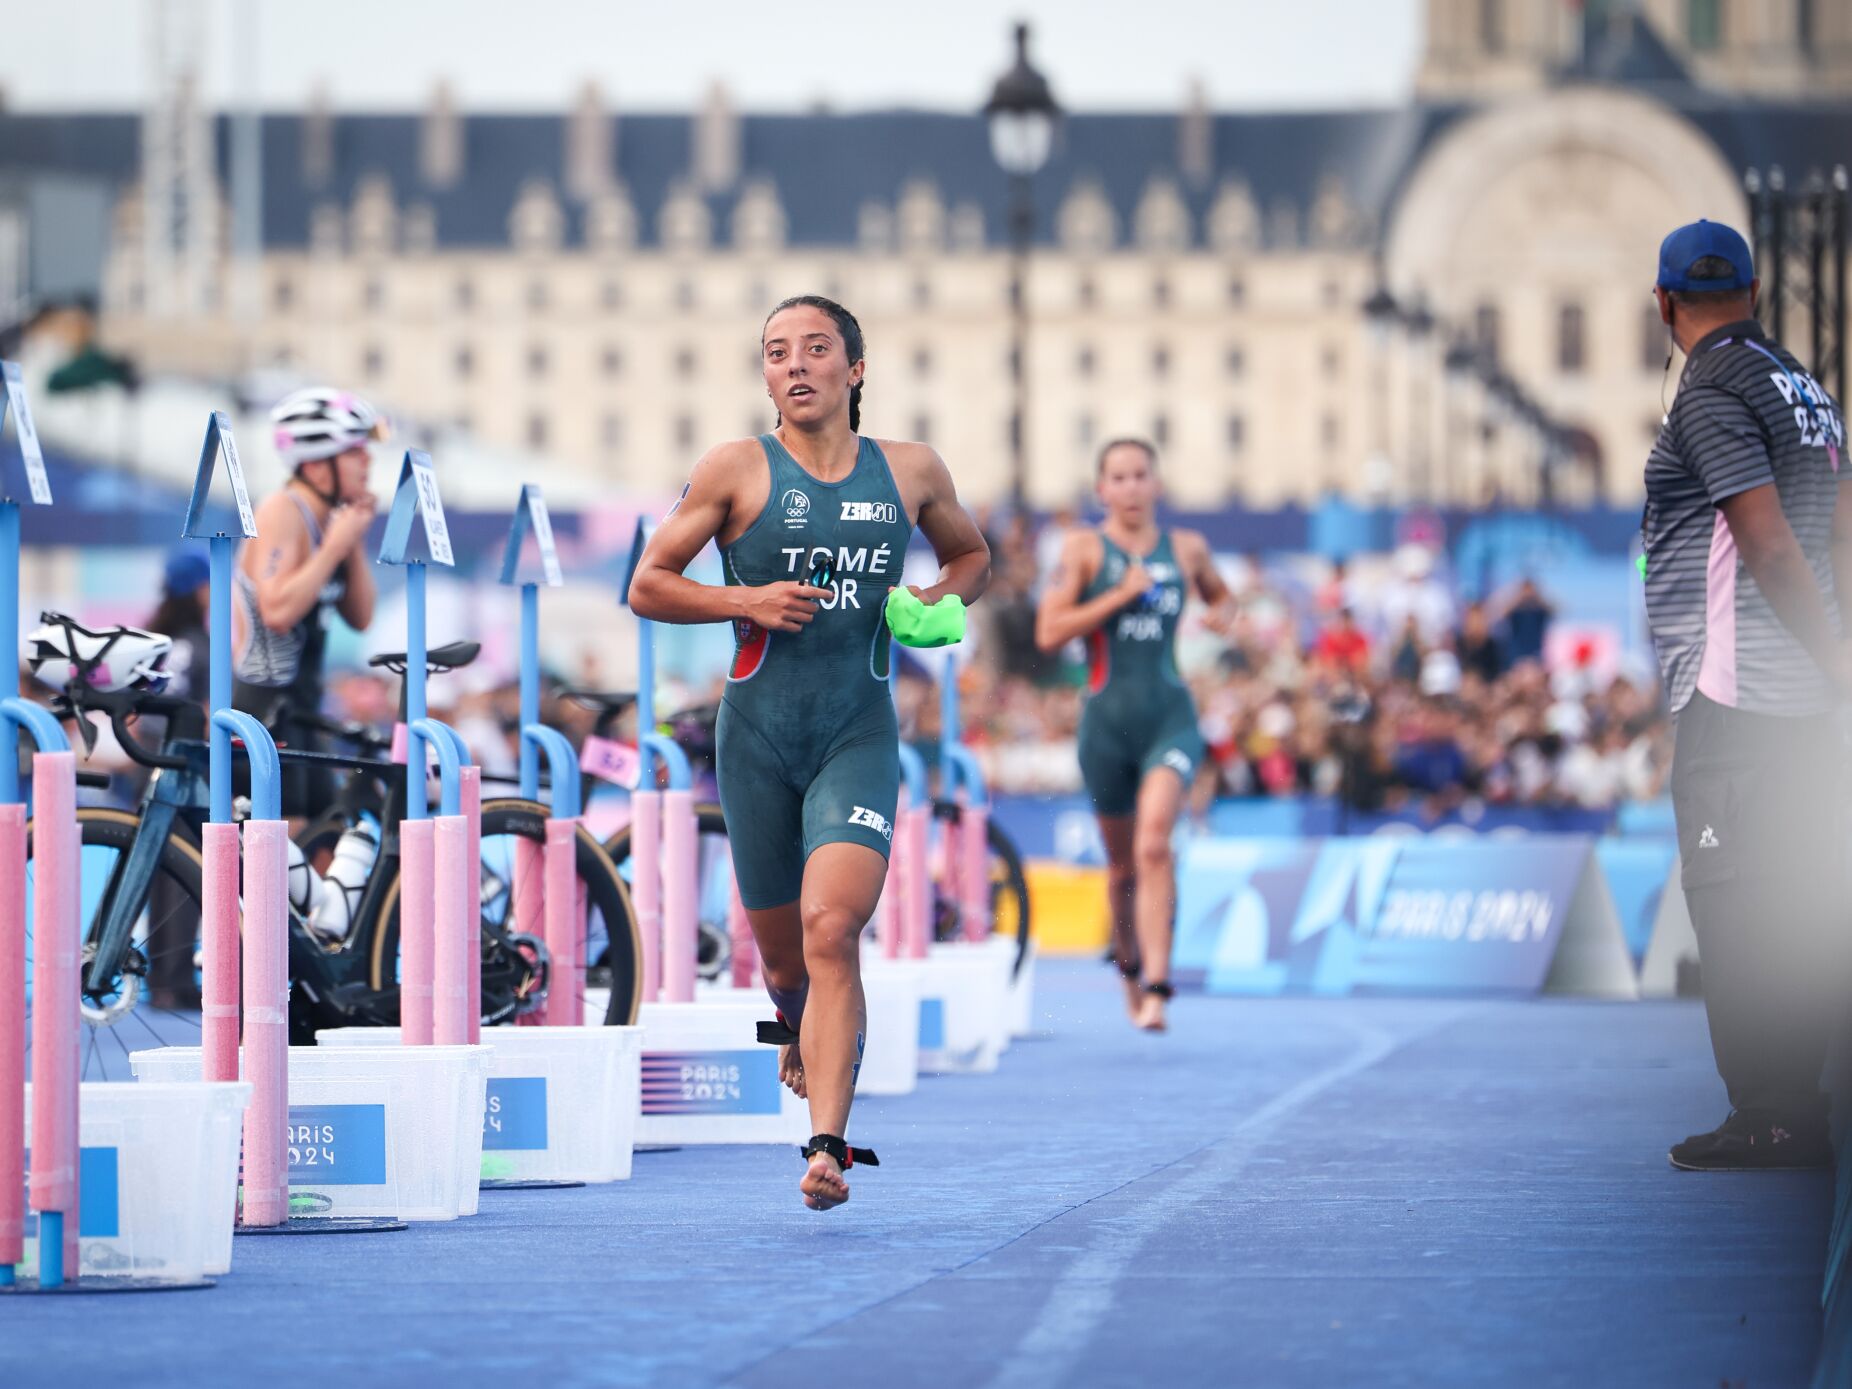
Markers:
point(915, 624)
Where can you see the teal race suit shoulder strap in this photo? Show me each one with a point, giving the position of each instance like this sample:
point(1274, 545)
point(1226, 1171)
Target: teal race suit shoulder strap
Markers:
point(1135, 646)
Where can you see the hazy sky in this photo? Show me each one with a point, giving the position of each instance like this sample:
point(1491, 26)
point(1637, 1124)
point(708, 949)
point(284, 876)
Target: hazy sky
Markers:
point(660, 56)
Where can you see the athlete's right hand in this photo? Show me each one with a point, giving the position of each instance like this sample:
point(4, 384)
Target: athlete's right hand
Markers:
point(1135, 582)
point(348, 523)
point(785, 606)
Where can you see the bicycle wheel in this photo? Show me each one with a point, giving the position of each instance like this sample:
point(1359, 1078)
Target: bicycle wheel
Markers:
point(1009, 888)
point(714, 860)
point(609, 919)
point(161, 949)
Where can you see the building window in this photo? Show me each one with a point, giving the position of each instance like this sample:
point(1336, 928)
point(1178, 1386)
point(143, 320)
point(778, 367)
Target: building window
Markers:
point(1236, 361)
point(1237, 291)
point(612, 295)
point(1485, 331)
point(1084, 431)
point(536, 361)
point(922, 362)
point(685, 294)
point(1492, 25)
point(1237, 432)
point(464, 362)
point(1160, 361)
point(1160, 430)
point(685, 363)
point(283, 296)
point(922, 293)
point(536, 431)
point(463, 423)
point(922, 428)
point(373, 364)
point(536, 296)
point(684, 432)
point(757, 296)
point(611, 361)
point(1805, 26)
point(375, 293)
point(1086, 292)
point(1160, 293)
point(465, 295)
point(1333, 292)
point(1655, 340)
point(1328, 430)
point(1331, 361)
point(611, 432)
point(1084, 362)
point(1571, 339)
point(1704, 24)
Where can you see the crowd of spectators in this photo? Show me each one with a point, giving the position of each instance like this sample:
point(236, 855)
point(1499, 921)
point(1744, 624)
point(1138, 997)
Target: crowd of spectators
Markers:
point(1380, 687)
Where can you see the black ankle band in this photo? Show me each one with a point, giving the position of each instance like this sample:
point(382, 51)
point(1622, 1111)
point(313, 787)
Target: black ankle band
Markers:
point(777, 1034)
point(1161, 990)
point(846, 1157)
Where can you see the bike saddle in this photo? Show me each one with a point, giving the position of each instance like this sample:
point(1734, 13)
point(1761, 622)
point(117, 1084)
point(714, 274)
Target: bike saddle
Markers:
point(604, 701)
point(437, 660)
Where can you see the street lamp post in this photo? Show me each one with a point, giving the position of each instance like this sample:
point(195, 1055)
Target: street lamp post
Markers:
point(1022, 114)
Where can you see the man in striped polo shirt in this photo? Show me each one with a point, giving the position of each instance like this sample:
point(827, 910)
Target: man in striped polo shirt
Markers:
point(1745, 535)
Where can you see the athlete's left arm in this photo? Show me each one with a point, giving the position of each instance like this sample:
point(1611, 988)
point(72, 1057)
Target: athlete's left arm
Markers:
point(1206, 579)
point(963, 553)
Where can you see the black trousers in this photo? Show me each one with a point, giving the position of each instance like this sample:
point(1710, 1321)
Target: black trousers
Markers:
point(1757, 800)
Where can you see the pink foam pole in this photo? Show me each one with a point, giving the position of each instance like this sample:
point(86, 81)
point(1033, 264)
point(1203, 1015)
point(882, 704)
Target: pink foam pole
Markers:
point(56, 966)
point(469, 785)
point(891, 911)
point(417, 928)
point(646, 884)
point(12, 1037)
point(744, 952)
point(529, 915)
point(974, 870)
point(681, 892)
point(916, 879)
point(565, 925)
point(220, 946)
point(266, 1021)
point(455, 930)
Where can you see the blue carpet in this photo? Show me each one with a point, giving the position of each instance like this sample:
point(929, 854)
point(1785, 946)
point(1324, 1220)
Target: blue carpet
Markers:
point(1282, 1192)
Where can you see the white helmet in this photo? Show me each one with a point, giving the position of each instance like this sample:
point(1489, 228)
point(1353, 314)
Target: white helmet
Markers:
point(319, 423)
point(61, 653)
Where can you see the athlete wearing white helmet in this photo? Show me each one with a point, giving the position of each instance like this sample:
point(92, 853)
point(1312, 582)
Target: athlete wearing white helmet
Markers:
point(308, 559)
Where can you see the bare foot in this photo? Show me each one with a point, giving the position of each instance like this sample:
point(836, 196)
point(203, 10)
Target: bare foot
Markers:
point(791, 1069)
point(823, 1186)
point(1150, 1015)
point(1134, 997)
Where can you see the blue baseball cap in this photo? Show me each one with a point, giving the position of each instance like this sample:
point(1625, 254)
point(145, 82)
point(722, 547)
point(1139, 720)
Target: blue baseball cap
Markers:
point(185, 571)
point(1688, 245)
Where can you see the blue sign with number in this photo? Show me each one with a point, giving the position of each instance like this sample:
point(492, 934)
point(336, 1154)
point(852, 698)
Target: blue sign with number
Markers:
point(337, 1144)
point(516, 1114)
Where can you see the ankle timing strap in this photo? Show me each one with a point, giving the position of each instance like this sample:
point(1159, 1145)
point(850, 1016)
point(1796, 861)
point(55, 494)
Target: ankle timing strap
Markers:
point(846, 1157)
point(1161, 990)
point(778, 1033)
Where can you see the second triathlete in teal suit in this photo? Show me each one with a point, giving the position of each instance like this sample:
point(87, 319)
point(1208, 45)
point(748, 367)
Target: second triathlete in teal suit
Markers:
point(808, 748)
point(1139, 714)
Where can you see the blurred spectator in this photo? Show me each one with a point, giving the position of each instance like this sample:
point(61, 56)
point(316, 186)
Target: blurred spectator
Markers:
point(1342, 645)
point(1527, 622)
point(1480, 652)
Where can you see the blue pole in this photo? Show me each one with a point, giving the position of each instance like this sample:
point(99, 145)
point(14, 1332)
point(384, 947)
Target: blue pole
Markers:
point(416, 765)
point(51, 1249)
point(646, 697)
point(9, 641)
point(530, 688)
point(219, 677)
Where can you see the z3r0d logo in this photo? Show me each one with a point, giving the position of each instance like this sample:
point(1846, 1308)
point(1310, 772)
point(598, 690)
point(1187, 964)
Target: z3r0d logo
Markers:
point(874, 820)
point(884, 512)
point(797, 509)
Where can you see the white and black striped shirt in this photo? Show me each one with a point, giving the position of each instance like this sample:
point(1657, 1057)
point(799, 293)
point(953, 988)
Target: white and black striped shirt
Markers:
point(1747, 415)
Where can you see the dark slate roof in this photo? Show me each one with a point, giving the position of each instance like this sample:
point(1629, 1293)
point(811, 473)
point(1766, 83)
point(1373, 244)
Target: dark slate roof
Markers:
point(825, 167)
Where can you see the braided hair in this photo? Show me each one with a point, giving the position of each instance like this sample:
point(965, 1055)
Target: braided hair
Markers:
point(851, 340)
